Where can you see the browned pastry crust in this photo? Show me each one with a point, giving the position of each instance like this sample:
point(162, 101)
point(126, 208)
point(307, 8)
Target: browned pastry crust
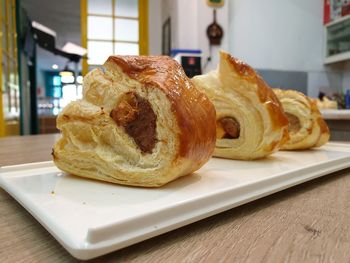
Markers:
point(266, 96)
point(307, 128)
point(191, 107)
point(132, 91)
point(251, 123)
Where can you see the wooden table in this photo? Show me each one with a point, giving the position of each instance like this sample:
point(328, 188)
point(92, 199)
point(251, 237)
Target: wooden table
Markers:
point(306, 223)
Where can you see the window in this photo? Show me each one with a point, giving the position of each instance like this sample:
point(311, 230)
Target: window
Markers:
point(9, 89)
point(113, 27)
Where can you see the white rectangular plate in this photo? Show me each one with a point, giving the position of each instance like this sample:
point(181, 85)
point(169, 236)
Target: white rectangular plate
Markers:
point(91, 218)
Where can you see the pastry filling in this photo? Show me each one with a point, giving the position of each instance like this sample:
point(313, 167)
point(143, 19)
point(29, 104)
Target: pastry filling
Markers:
point(231, 127)
point(294, 123)
point(136, 115)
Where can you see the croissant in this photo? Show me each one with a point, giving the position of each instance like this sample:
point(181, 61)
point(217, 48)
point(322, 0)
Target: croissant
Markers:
point(250, 121)
point(306, 126)
point(141, 122)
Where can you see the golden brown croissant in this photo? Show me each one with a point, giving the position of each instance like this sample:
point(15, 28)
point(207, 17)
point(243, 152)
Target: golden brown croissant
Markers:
point(306, 126)
point(250, 120)
point(141, 122)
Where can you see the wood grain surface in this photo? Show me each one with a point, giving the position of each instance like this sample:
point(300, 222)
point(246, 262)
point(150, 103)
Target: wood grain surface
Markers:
point(306, 223)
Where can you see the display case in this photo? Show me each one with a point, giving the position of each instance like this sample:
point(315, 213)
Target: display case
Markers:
point(337, 36)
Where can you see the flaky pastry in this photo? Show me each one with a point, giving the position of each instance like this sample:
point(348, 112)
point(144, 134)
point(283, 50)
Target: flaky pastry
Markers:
point(250, 120)
point(141, 122)
point(306, 126)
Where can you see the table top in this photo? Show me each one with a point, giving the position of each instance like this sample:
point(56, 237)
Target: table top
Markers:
point(306, 223)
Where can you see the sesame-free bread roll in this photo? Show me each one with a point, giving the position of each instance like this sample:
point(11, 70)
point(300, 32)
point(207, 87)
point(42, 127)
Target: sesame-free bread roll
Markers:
point(250, 119)
point(307, 128)
point(141, 122)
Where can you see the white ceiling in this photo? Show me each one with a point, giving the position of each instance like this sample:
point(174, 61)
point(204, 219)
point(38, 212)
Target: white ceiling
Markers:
point(62, 16)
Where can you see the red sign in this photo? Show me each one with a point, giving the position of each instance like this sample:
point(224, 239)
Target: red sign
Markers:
point(327, 12)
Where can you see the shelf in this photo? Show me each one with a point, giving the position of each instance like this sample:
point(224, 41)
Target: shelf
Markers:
point(337, 39)
point(337, 58)
point(336, 114)
point(337, 21)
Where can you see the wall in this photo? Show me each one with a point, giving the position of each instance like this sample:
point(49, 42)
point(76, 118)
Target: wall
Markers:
point(61, 16)
point(189, 21)
point(186, 24)
point(155, 27)
point(327, 81)
point(279, 38)
point(169, 9)
point(284, 35)
point(346, 82)
point(205, 18)
point(346, 77)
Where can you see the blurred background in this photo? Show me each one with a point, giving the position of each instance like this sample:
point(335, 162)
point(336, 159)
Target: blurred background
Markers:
point(47, 47)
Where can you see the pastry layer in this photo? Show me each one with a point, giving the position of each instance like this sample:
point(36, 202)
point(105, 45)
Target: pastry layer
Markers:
point(311, 129)
point(141, 122)
point(251, 123)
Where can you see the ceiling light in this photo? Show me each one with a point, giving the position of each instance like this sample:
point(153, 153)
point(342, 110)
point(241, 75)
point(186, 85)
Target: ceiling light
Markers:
point(43, 28)
point(54, 66)
point(66, 72)
point(72, 48)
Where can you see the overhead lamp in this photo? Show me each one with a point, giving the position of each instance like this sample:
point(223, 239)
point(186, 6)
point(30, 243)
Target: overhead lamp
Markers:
point(44, 36)
point(66, 72)
point(54, 66)
point(72, 48)
point(67, 75)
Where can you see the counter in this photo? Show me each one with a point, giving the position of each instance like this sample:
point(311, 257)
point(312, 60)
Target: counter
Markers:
point(339, 123)
point(336, 114)
point(306, 223)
